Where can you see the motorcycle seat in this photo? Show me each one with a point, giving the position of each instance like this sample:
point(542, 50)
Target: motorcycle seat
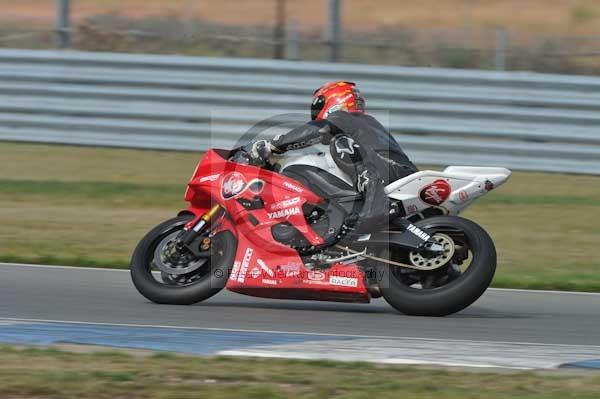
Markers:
point(321, 182)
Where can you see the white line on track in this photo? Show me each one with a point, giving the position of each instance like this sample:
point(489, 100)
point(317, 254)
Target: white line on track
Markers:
point(89, 323)
point(104, 269)
point(389, 350)
point(545, 291)
point(396, 361)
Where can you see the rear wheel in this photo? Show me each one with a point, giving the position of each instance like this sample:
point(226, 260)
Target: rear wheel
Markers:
point(468, 267)
point(166, 276)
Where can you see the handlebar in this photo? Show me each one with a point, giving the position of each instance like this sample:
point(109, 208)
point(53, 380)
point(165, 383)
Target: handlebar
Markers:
point(242, 156)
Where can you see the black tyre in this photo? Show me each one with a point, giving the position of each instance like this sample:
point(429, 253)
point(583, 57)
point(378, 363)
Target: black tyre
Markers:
point(447, 290)
point(198, 286)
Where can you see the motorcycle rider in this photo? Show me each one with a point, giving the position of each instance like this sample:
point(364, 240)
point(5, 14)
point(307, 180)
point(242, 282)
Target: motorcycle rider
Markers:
point(359, 145)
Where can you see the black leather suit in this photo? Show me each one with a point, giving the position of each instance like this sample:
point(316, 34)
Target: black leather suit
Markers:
point(362, 148)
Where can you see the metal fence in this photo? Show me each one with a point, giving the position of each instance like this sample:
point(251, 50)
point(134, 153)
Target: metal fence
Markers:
point(523, 120)
point(313, 31)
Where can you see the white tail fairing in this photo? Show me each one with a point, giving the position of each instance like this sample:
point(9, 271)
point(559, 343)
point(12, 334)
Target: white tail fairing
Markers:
point(451, 190)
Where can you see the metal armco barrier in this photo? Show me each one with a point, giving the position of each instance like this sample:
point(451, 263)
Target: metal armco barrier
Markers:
point(519, 120)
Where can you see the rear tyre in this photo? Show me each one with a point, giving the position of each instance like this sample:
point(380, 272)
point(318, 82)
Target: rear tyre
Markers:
point(455, 290)
point(208, 280)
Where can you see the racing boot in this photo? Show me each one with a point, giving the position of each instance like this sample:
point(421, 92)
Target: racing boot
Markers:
point(376, 210)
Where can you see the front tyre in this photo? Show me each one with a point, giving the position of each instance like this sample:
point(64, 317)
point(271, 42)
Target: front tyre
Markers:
point(208, 277)
point(449, 290)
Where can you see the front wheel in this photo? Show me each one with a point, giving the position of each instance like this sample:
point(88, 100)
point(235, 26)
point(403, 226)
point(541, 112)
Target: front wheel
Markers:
point(185, 279)
point(449, 289)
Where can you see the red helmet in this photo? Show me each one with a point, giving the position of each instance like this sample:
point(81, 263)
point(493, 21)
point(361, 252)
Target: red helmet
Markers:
point(336, 96)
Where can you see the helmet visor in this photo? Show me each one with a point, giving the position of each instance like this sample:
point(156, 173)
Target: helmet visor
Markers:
point(316, 107)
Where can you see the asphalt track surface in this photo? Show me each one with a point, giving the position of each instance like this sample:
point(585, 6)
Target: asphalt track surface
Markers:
point(108, 296)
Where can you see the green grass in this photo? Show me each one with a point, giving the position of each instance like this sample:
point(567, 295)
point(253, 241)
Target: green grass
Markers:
point(97, 194)
point(90, 206)
point(51, 373)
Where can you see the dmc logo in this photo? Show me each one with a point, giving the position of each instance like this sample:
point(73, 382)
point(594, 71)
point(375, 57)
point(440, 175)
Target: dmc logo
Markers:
point(316, 276)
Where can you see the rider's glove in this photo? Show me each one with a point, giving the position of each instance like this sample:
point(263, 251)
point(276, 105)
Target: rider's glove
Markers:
point(261, 150)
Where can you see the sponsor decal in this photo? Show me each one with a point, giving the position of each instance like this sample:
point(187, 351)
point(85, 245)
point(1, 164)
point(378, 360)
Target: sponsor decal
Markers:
point(418, 232)
point(435, 193)
point(265, 268)
point(489, 186)
point(234, 271)
point(284, 213)
point(255, 273)
point(290, 269)
point(344, 145)
point(303, 144)
point(316, 276)
point(269, 281)
point(362, 181)
point(233, 184)
point(343, 281)
point(463, 195)
point(315, 282)
point(292, 187)
point(210, 178)
point(285, 204)
point(244, 265)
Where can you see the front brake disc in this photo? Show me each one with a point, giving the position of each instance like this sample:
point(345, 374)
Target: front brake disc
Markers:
point(175, 267)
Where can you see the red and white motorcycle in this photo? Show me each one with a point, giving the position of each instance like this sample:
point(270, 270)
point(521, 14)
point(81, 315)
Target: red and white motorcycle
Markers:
point(284, 230)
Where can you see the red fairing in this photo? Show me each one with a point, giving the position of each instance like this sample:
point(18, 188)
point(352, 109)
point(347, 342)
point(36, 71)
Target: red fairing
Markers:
point(259, 272)
point(255, 200)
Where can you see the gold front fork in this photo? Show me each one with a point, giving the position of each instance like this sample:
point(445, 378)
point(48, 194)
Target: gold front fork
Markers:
point(212, 212)
point(205, 220)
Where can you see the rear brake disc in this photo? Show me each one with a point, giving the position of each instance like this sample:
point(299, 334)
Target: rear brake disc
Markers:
point(432, 263)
